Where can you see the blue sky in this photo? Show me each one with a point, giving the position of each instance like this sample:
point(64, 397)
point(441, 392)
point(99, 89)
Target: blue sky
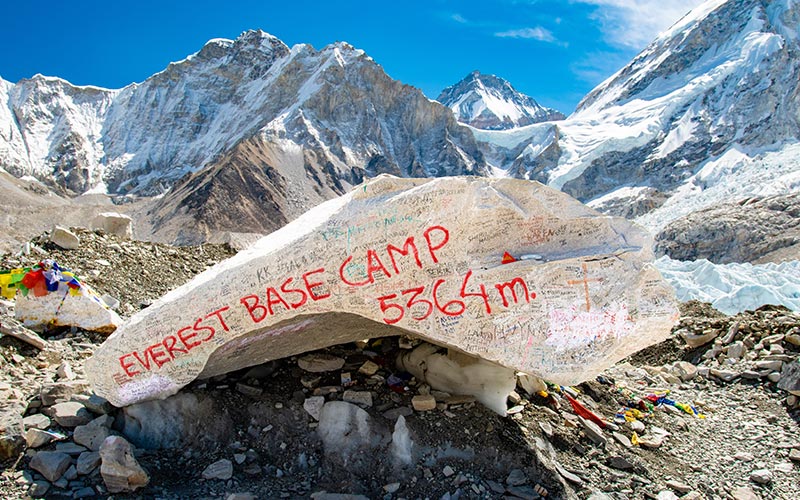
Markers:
point(555, 51)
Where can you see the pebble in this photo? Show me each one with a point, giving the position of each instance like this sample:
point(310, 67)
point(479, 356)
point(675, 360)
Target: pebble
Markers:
point(761, 476)
point(620, 463)
point(423, 402)
point(794, 455)
point(319, 363)
point(622, 439)
point(221, 469)
point(361, 398)
point(35, 438)
point(448, 471)
point(313, 406)
point(51, 464)
point(679, 486)
point(39, 489)
point(593, 431)
point(37, 421)
point(724, 375)
point(516, 477)
point(87, 462)
point(744, 456)
point(744, 493)
point(391, 488)
point(369, 369)
point(70, 414)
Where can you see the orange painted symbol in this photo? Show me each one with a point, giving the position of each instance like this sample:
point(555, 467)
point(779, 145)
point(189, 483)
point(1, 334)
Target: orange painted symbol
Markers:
point(585, 281)
point(508, 258)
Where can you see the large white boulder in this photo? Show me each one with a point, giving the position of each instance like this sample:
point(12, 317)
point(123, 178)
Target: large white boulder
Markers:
point(510, 271)
point(114, 223)
point(54, 297)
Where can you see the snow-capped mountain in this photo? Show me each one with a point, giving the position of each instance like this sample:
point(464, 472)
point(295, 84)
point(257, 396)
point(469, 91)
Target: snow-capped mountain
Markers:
point(709, 111)
point(491, 103)
point(336, 104)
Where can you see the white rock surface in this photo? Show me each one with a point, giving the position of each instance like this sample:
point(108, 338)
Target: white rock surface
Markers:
point(61, 308)
point(422, 255)
point(64, 238)
point(114, 223)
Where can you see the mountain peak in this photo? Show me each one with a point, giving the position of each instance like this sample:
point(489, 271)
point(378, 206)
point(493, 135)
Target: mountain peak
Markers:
point(490, 102)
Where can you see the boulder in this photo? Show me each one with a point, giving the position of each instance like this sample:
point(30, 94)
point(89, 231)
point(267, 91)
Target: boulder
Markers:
point(114, 223)
point(51, 464)
point(120, 470)
point(509, 271)
point(64, 238)
point(55, 297)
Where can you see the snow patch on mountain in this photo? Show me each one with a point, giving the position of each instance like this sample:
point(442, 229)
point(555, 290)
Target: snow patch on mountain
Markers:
point(489, 102)
point(733, 288)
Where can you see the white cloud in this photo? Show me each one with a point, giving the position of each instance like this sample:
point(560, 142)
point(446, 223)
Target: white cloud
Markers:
point(536, 33)
point(459, 18)
point(635, 23)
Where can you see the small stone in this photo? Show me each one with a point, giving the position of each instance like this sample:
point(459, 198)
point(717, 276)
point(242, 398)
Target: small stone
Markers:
point(516, 478)
point(313, 406)
point(319, 363)
point(85, 492)
point(637, 426)
point(761, 476)
point(94, 433)
point(70, 448)
point(50, 464)
point(120, 470)
point(724, 375)
point(221, 469)
point(515, 409)
point(87, 462)
point(622, 439)
point(685, 370)
point(620, 463)
point(39, 489)
point(369, 369)
point(793, 339)
point(361, 398)
point(744, 493)
point(70, 414)
point(423, 402)
point(593, 431)
point(547, 429)
point(774, 377)
point(395, 413)
point(391, 488)
point(71, 473)
point(59, 392)
point(496, 487)
point(64, 371)
point(666, 495)
point(569, 476)
point(239, 458)
point(794, 455)
point(240, 496)
point(448, 471)
point(514, 398)
point(736, 350)
point(310, 381)
point(94, 403)
point(653, 439)
point(769, 365)
point(679, 486)
point(35, 438)
point(249, 390)
point(744, 456)
point(523, 492)
point(36, 421)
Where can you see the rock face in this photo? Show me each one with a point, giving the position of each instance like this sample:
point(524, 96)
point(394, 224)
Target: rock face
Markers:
point(506, 270)
point(489, 102)
point(751, 230)
point(700, 116)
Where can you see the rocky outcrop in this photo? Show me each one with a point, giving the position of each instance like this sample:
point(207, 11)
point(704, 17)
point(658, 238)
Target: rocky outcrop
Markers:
point(752, 230)
point(571, 294)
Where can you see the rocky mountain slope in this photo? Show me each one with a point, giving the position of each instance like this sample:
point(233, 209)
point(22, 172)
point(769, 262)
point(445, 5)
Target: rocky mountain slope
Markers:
point(318, 122)
point(707, 112)
point(491, 103)
point(753, 230)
